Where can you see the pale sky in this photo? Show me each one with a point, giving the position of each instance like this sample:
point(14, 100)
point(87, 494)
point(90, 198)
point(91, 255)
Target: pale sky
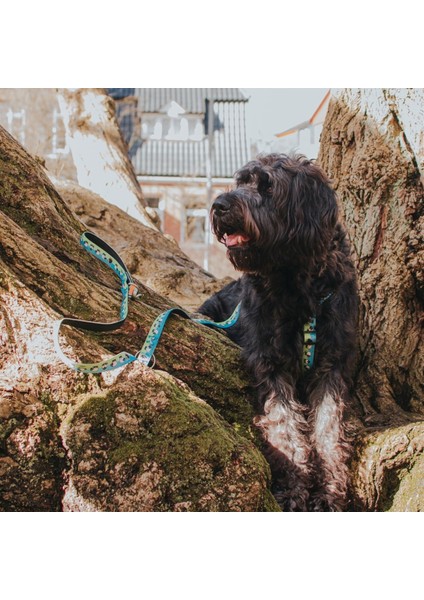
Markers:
point(273, 110)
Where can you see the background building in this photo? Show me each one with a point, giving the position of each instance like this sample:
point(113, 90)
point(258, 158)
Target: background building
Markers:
point(191, 142)
point(305, 136)
point(33, 117)
point(296, 112)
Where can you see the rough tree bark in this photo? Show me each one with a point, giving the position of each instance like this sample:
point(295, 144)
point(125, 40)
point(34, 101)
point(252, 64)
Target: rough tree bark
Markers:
point(372, 148)
point(177, 438)
point(98, 150)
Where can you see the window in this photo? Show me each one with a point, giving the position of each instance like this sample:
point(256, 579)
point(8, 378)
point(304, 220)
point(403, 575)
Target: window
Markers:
point(196, 128)
point(59, 141)
point(195, 226)
point(179, 127)
point(16, 121)
point(157, 205)
point(157, 130)
point(184, 128)
point(173, 129)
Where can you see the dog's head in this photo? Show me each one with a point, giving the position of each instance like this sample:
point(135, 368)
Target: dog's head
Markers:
point(282, 212)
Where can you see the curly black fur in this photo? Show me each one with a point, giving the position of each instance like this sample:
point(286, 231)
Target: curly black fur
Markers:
point(281, 228)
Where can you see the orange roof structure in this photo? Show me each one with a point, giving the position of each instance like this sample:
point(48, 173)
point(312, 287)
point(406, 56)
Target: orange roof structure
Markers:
point(316, 119)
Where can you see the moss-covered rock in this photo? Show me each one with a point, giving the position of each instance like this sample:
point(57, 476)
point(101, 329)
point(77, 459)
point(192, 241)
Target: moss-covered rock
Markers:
point(151, 445)
point(32, 457)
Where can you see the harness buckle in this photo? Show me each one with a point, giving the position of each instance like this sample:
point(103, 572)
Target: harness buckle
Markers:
point(142, 358)
point(133, 291)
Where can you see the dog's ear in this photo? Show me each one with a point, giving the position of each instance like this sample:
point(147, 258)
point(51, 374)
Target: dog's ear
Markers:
point(310, 210)
point(257, 174)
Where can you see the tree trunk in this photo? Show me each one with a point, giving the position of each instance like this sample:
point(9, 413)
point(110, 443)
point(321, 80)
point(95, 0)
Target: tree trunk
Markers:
point(134, 440)
point(371, 146)
point(98, 150)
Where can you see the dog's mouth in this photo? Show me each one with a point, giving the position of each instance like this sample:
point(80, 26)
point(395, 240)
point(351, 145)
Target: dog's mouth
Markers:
point(235, 240)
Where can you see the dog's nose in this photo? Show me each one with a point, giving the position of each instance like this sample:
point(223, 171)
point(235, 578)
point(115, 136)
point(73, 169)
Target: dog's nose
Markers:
point(221, 205)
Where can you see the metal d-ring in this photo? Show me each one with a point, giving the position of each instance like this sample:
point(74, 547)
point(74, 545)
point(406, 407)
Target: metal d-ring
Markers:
point(137, 356)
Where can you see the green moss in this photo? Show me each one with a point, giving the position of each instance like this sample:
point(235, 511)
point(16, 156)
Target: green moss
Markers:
point(194, 448)
point(389, 488)
point(34, 480)
point(6, 428)
point(50, 406)
point(238, 412)
point(20, 217)
point(99, 412)
point(270, 503)
point(126, 450)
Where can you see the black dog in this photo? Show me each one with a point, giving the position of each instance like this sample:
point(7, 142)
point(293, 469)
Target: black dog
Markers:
point(280, 226)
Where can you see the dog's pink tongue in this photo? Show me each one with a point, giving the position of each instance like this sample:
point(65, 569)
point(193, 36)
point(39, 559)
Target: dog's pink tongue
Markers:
point(235, 239)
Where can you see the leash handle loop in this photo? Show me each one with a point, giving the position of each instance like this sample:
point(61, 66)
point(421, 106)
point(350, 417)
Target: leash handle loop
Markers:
point(103, 252)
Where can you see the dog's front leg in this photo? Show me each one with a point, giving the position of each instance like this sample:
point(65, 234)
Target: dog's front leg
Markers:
point(327, 402)
point(285, 430)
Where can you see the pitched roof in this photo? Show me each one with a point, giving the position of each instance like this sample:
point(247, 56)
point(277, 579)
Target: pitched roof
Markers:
point(189, 157)
point(119, 93)
point(317, 118)
point(191, 99)
point(172, 158)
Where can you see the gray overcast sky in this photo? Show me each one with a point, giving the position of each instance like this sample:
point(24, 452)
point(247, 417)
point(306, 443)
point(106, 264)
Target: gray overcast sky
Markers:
point(272, 110)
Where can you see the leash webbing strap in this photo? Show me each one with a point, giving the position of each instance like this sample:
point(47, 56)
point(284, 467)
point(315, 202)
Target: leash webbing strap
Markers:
point(147, 351)
point(101, 250)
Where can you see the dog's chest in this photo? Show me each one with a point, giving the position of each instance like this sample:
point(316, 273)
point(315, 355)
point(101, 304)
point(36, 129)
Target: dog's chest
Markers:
point(273, 324)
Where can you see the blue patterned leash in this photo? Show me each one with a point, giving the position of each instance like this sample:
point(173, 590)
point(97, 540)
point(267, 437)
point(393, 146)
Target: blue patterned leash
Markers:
point(102, 251)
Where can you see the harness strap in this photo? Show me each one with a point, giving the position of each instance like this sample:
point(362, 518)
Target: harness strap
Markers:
point(101, 250)
point(310, 339)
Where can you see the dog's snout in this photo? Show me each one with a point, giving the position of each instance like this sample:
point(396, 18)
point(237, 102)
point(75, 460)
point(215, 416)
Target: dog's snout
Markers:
point(221, 205)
